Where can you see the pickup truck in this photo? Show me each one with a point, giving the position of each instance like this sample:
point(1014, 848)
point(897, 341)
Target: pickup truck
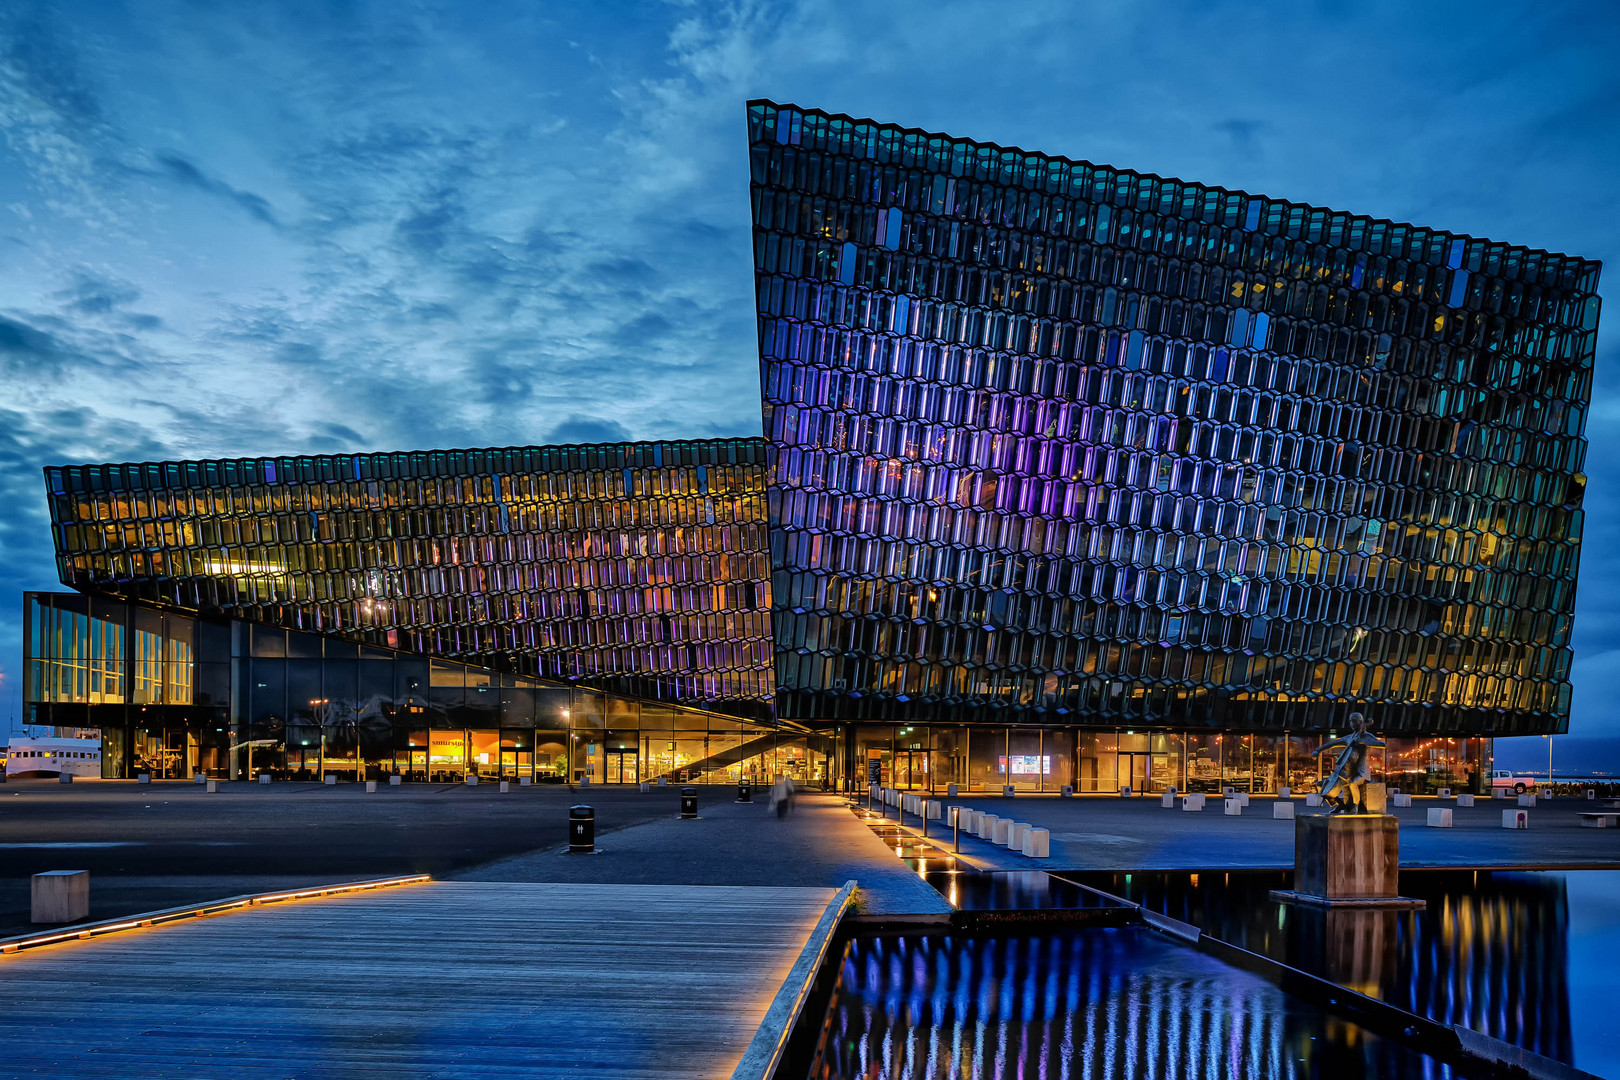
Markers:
point(1502, 781)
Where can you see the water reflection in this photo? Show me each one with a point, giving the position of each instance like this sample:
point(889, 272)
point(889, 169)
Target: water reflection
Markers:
point(1490, 952)
point(1079, 1003)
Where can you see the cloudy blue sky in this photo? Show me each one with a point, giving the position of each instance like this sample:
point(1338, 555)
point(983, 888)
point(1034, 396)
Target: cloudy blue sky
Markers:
point(329, 226)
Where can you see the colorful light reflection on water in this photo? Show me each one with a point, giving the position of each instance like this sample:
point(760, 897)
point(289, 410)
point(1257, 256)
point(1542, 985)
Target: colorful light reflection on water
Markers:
point(1083, 1003)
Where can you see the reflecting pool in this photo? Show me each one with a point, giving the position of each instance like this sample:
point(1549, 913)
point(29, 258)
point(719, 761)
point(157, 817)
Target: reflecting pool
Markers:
point(1528, 957)
point(1080, 1003)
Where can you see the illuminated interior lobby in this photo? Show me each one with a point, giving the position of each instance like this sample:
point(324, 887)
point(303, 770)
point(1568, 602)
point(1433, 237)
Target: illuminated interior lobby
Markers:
point(1069, 475)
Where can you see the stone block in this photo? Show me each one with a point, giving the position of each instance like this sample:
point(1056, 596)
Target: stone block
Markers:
point(265, 778)
point(64, 778)
point(1591, 793)
point(1439, 817)
point(1313, 798)
point(395, 780)
point(1445, 793)
point(985, 826)
point(1038, 844)
point(1233, 807)
point(472, 779)
point(506, 785)
point(950, 791)
point(1168, 800)
point(60, 896)
point(1192, 802)
point(970, 820)
point(1394, 791)
point(371, 787)
point(1398, 799)
point(1285, 792)
point(1228, 792)
point(213, 786)
point(1125, 791)
point(644, 787)
point(1465, 800)
point(663, 781)
point(331, 780)
point(1373, 795)
point(143, 778)
point(1002, 834)
point(1242, 798)
point(1019, 833)
point(1007, 791)
point(936, 811)
point(1282, 809)
point(199, 778)
point(1527, 799)
point(1346, 856)
point(1066, 791)
point(1515, 819)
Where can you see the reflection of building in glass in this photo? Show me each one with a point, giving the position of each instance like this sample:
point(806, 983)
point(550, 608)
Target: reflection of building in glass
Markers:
point(1070, 476)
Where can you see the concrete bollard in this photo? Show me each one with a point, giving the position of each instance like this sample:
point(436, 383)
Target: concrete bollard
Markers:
point(1285, 792)
point(1313, 799)
point(60, 896)
point(1018, 834)
point(1066, 791)
point(213, 786)
point(1464, 800)
point(644, 787)
point(64, 778)
point(1125, 791)
point(395, 780)
point(1242, 798)
point(1394, 791)
point(371, 787)
point(1007, 791)
point(528, 781)
point(1527, 799)
point(1591, 793)
point(1192, 802)
point(1233, 807)
point(663, 781)
point(1401, 800)
point(331, 780)
point(1283, 809)
point(1038, 844)
point(936, 812)
point(987, 826)
point(1228, 792)
point(1439, 817)
point(1168, 800)
point(265, 778)
point(200, 778)
point(1002, 834)
point(506, 785)
point(143, 778)
point(1445, 793)
point(971, 820)
point(950, 791)
point(1515, 819)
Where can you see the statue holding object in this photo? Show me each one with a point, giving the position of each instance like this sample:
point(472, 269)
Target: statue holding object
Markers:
point(1346, 786)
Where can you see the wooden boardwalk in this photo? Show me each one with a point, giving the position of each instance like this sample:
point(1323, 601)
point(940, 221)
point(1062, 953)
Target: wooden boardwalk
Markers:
point(446, 979)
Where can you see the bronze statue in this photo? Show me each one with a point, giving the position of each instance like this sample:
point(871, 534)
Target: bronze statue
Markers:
point(1346, 786)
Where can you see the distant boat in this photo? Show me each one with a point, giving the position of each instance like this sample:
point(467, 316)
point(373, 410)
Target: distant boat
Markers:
point(27, 757)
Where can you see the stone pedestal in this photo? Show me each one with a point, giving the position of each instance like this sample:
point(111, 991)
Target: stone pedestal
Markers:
point(1350, 859)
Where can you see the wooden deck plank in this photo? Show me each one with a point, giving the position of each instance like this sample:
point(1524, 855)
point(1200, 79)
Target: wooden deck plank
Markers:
point(443, 979)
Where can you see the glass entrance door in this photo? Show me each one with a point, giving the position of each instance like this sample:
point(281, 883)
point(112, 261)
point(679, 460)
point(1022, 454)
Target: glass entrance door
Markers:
point(622, 767)
point(1134, 771)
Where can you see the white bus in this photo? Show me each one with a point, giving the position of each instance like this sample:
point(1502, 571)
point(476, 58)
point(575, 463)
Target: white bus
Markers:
point(52, 757)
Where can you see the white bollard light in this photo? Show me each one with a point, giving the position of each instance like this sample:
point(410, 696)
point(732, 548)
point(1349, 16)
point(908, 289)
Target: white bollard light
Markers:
point(1439, 817)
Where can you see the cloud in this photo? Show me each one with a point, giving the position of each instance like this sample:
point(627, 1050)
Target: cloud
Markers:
point(181, 171)
point(587, 429)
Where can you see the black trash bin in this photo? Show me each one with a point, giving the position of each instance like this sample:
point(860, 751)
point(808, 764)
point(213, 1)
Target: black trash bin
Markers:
point(581, 830)
point(745, 792)
point(689, 802)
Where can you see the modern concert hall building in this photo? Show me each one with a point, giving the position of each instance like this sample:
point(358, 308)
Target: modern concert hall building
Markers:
point(1069, 476)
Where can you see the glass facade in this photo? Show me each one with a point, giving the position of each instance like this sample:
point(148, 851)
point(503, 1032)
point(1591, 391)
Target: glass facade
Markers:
point(1070, 476)
point(248, 699)
point(635, 567)
point(1056, 442)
